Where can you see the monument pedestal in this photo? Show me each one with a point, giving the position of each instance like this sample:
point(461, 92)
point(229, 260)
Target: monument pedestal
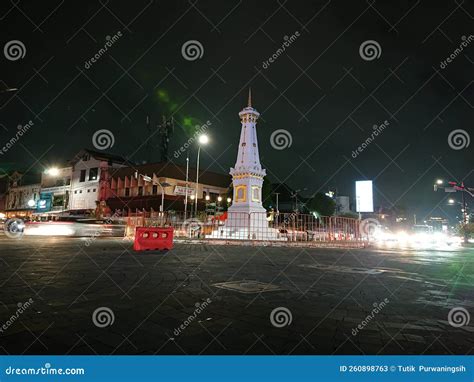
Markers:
point(246, 226)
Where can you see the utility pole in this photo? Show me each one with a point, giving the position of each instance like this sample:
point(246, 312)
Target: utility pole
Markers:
point(294, 195)
point(186, 189)
point(197, 181)
point(149, 143)
point(464, 215)
point(165, 130)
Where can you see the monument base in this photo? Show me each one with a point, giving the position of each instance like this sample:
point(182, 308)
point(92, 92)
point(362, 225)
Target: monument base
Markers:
point(225, 233)
point(246, 226)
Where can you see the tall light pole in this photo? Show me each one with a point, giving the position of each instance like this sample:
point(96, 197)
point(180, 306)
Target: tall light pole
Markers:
point(202, 140)
point(277, 195)
point(186, 191)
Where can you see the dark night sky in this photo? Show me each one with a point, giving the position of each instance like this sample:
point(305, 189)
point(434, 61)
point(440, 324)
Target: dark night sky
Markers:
point(405, 86)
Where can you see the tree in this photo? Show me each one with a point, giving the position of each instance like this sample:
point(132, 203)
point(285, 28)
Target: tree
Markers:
point(466, 230)
point(267, 194)
point(322, 204)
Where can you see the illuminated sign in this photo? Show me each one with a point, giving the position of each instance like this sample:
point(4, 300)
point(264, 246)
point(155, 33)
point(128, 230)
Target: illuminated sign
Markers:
point(42, 204)
point(364, 196)
point(181, 190)
point(45, 203)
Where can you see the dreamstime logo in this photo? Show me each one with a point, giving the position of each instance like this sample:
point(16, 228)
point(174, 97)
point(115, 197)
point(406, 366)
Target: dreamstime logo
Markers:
point(14, 50)
point(378, 306)
point(376, 131)
point(290, 218)
point(192, 50)
point(458, 317)
point(281, 139)
point(19, 133)
point(370, 50)
point(199, 130)
point(21, 308)
point(103, 139)
point(103, 317)
point(459, 139)
point(200, 306)
point(108, 44)
point(280, 317)
point(464, 44)
point(14, 228)
point(192, 227)
point(287, 41)
point(44, 370)
point(369, 226)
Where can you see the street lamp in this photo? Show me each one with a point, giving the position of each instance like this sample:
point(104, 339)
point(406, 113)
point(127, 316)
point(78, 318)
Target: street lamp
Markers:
point(455, 187)
point(53, 171)
point(438, 184)
point(229, 200)
point(219, 198)
point(8, 90)
point(208, 198)
point(202, 140)
point(147, 178)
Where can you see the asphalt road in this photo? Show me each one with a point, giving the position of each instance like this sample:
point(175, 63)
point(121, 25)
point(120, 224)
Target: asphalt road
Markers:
point(325, 301)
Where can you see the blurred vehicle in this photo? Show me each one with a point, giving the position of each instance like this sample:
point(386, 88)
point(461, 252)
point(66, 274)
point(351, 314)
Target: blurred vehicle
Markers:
point(74, 227)
point(419, 237)
point(13, 226)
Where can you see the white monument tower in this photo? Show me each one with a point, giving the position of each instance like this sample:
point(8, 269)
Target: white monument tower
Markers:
point(246, 217)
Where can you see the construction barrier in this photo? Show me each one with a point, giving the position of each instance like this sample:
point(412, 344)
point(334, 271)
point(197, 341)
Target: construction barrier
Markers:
point(153, 238)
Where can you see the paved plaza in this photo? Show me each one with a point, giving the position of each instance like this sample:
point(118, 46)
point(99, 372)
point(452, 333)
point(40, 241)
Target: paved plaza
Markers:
point(72, 296)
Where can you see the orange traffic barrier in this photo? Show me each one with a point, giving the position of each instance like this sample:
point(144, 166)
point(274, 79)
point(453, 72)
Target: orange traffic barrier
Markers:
point(153, 238)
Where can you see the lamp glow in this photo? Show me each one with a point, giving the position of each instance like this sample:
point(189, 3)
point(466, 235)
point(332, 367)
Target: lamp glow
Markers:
point(203, 139)
point(53, 171)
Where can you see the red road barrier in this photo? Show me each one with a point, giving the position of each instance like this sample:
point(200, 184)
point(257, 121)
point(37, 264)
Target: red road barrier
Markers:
point(153, 238)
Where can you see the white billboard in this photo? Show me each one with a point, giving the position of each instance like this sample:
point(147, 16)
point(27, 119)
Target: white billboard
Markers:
point(364, 196)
